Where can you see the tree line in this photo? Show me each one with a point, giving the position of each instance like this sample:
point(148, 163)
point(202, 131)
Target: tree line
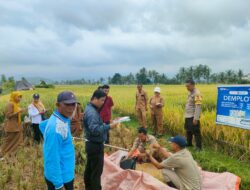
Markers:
point(200, 73)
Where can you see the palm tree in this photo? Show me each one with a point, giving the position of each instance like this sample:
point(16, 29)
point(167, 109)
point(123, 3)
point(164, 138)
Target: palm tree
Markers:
point(240, 76)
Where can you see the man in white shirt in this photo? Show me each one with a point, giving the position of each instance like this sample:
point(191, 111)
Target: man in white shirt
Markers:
point(36, 110)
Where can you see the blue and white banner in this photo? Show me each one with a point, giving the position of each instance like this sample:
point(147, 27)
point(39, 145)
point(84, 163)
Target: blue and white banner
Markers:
point(233, 106)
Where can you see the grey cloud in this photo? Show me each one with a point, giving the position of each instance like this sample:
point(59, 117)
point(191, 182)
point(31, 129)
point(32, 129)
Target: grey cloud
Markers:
point(38, 36)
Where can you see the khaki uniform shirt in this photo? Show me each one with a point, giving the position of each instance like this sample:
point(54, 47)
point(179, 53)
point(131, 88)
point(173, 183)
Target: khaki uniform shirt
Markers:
point(11, 119)
point(185, 168)
point(193, 105)
point(142, 146)
point(141, 100)
point(154, 101)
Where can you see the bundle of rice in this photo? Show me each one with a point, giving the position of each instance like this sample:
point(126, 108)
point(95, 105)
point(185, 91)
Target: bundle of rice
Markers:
point(122, 136)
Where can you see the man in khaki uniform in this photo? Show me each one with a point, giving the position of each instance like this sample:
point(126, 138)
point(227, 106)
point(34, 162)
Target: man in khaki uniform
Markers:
point(141, 105)
point(156, 104)
point(141, 144)
point(179, 169)
point(192, 114)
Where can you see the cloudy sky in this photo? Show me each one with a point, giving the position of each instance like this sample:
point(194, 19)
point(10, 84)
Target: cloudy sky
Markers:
point(91, 38)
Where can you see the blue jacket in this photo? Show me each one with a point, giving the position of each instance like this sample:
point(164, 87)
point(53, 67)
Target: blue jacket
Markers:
point(95, 130)
point(58, 150)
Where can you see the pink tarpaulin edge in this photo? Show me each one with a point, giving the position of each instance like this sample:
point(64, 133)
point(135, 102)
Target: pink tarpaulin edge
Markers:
point(115, 178)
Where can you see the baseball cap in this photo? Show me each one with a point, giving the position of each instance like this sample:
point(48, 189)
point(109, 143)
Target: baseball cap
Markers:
point(66, 97)
point(157, 89)
point(36, 96)
point(179, 140)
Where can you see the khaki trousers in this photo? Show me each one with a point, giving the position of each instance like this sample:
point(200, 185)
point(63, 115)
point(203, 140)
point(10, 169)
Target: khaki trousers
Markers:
point(142, 117)
point(12, 141)
point(170, 175)
point(157, 122)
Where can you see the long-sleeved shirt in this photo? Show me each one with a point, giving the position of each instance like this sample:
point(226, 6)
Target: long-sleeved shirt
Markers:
point(58, 150)
point(95, 130)
point(11, 122)
point(156, 104)
point(193, 106)
point(36, 117)
point(141, 100)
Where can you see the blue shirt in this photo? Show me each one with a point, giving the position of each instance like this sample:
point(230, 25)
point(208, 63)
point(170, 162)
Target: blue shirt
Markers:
point(58, 150)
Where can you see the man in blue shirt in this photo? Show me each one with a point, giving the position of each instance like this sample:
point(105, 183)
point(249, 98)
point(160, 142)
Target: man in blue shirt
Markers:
point(95, 136)
point(58, 148)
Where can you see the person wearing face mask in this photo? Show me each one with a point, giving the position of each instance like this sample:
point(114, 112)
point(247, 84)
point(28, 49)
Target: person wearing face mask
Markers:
point(12, 125)
point(58, 148)
point(156, 105)
point(95, 131)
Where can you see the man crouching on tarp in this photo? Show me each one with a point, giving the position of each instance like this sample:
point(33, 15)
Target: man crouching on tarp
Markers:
point(141, 144)
point(179, 169)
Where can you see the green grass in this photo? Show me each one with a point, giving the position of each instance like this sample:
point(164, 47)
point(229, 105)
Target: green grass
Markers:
point(211, 160)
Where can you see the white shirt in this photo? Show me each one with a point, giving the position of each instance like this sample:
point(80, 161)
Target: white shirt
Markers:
point(34, 114)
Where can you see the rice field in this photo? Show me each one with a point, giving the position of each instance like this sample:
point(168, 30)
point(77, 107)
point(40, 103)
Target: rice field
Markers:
point(175, 98)
point(25, 171)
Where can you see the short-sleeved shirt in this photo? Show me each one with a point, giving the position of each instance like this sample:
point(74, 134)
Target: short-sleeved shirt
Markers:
point(107, 109)
point(186, 169)
point(141, 99)
point(142, 146)
point(193, 105)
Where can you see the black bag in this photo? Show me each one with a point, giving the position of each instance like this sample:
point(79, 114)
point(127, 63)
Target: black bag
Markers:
point(129, 163)
point(43, 117)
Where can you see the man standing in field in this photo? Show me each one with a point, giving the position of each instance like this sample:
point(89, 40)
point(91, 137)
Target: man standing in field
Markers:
point(192, 114)
point(141, 105)
point(106, 109)
point(95, 136)
point(58, 148)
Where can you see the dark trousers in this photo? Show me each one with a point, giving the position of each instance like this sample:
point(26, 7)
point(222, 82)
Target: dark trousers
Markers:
point(67, 186)
point(94, 166)
point(193, 130)
point(37, 133)
point(107, 140)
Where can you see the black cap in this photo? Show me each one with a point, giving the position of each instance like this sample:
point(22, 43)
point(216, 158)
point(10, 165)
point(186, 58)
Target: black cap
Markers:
point(142, 130)
point(66, 97)
point(36, 96)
